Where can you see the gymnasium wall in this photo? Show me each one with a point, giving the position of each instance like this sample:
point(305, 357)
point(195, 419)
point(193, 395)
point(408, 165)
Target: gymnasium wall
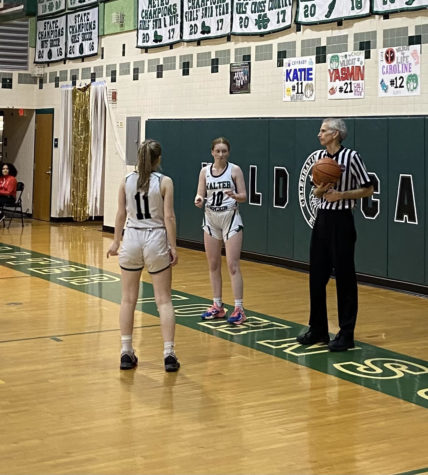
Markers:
point(392, 225)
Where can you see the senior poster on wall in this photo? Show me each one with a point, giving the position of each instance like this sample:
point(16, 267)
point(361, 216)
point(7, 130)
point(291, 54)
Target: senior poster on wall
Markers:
point(321, 11)
point(158, 23)
point(400, 71)
point(299, 79)
point(390, 6)
point(205, 19)
point(50, 7)
point(82, 33)
point(240, 78)
point(346, 75)
point(50, 40)
point(80, 3)
point(260, 17)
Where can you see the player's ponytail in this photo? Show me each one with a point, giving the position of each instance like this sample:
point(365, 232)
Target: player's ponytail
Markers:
point(148, 160)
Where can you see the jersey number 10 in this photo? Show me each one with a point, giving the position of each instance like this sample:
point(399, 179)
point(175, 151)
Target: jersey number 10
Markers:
point(146, 213)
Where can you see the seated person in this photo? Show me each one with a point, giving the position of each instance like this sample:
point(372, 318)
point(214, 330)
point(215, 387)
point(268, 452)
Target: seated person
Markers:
point(7, 187)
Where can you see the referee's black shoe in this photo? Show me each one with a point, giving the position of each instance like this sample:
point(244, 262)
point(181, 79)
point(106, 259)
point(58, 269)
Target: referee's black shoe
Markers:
point(341, 343)
point(171, 363)
point(310, 338)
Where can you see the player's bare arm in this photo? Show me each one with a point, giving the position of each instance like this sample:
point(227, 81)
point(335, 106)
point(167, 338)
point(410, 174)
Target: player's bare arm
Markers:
point(334, 195)
point(240, 194)
point(119, 222)
point(167, 190)
point(202, 189)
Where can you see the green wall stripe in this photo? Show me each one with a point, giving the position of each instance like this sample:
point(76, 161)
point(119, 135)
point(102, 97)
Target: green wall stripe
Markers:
point(391, 373)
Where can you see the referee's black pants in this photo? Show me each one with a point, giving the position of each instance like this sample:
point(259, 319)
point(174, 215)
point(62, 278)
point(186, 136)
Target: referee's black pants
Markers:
point(332, 247)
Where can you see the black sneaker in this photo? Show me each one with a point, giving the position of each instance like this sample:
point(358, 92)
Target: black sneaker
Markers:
point(310, 338)
point(341, 343)
point(128, 361)
point(171, 363)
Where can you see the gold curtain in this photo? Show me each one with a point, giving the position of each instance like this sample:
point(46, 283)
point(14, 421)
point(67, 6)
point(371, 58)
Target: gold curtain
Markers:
point(81, 150)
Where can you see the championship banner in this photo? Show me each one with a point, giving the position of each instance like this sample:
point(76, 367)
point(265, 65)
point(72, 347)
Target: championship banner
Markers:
point(50, 7)
point(240, 78)
point(252, 17)
point(80, 3)
point(205, 19)
point(400, 71)
point(321, 11)
point(82, 33)
point(346, 75)
point(382, 6)
point(158, 23)
point(299, 79)
point(50, 40)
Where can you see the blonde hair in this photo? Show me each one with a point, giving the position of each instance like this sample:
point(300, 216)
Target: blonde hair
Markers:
point(148, 160)
point(220, 140)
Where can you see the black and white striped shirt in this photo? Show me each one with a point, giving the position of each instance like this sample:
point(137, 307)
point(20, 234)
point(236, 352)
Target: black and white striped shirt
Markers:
point(354, 176)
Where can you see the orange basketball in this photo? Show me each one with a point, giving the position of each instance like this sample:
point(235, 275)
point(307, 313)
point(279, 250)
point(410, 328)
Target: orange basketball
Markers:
point(326, 171)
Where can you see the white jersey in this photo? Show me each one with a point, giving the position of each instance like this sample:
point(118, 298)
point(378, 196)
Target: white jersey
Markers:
point(144, 210)
point(217, 199)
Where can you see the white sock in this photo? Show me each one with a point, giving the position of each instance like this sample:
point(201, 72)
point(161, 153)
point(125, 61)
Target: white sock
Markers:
point(238, 304)
point(218, 301)
point(126, 344)
point(168, 348)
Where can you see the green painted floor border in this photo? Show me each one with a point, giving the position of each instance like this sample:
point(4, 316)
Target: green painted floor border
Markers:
point(414, 472)
point(391, 373)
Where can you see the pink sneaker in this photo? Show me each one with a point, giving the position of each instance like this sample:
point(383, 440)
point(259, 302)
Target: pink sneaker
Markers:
point(214, 312)
point(237, 317)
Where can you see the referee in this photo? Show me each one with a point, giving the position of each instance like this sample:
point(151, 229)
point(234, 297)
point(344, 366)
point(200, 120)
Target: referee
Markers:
point(333, 240)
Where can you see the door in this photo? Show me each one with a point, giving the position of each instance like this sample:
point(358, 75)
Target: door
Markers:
point(43, 165)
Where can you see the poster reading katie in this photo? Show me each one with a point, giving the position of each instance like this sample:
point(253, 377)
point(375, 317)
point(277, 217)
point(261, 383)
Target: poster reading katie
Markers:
point(400, 71)
point(80, 3)
point(50, 7)
point(299, 79)
point(50, 40)
point(82, 33)
point(255, 17)
point(346, 75)
point(205, 19)
point(158, 22)
point(389, 6)
point(321, 11)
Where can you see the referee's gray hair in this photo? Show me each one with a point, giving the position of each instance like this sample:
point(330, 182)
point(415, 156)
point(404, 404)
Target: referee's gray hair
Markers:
point(339, 125)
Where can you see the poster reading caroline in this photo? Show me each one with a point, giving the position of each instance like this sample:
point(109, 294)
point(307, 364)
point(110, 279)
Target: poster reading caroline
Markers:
point(346, 75)
point(400, 71)
point(158, 22)
point(299, 79)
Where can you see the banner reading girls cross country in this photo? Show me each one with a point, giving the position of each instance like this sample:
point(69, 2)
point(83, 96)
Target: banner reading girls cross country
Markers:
point(299, 79)
point(346, 75)
point(82, 33)
point(321, 11)
point(50, 7)
point(50, 40)
point(260, 17)
point(158, 23)
point(205, 19)
point(80, 3)
point(390, 6)
point(400, 71)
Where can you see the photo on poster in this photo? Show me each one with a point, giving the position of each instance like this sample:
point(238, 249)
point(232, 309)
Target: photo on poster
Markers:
point(240, 78)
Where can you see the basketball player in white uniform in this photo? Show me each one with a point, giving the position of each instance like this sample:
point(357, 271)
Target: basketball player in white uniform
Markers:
point(221, 187)
point(146, 202)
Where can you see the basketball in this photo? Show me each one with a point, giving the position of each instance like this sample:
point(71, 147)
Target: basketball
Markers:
point(326, 171)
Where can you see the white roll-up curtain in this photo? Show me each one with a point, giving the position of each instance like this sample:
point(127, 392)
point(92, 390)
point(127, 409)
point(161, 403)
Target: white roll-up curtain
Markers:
point(65, 149)
point(96, 162)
